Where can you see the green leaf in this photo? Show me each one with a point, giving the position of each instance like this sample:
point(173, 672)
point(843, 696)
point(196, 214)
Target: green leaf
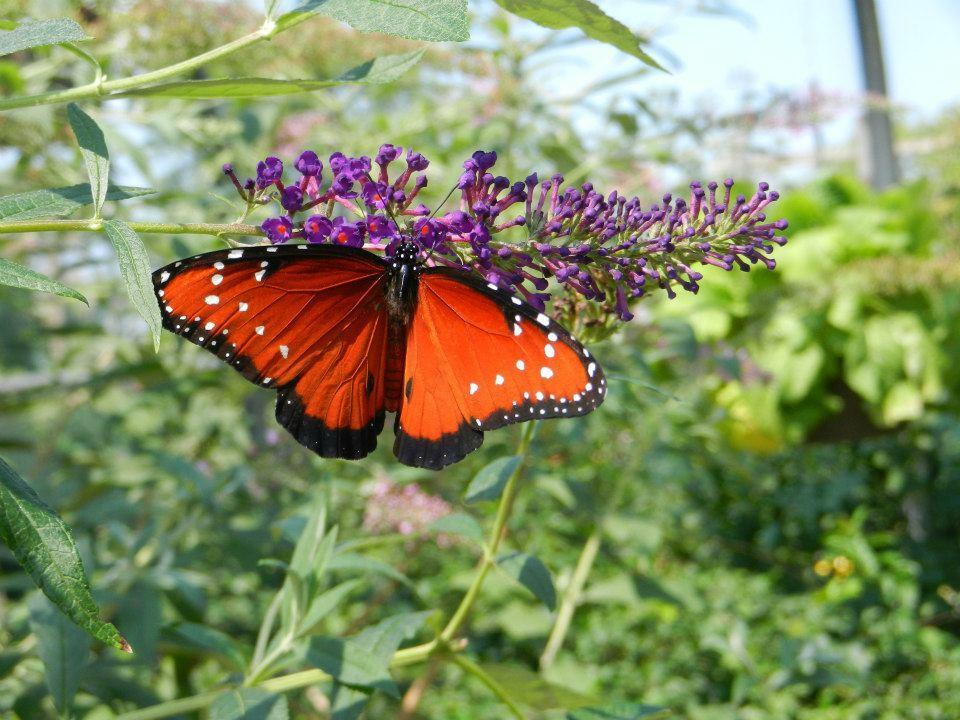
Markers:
point(135, 271)
point(532, 574)
point(44, 547)
point(531, 689)
point(490, 481)
point(36, 33)
point(380, 70)
point(617, 711)
point(458, 524)
point(59, 202)
point(249, 704)
point(351, 664)
point(93, 147)
point(432, 20)
point(346, 703)
point(584, 15)
point(324, 604)
point(384, 638)
point(366, 565)
point(206, 639)
point(63, 648)
point(19, 276)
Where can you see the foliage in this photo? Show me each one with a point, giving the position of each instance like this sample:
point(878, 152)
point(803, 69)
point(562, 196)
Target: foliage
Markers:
point(762, 516)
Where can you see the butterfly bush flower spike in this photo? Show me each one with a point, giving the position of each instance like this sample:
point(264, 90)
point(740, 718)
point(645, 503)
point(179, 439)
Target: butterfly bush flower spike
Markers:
point(600, 250)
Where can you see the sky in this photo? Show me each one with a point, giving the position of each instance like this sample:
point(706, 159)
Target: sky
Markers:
point(789, 45)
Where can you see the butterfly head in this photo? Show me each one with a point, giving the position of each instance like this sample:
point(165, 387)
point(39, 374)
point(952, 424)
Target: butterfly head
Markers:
point(407, 253)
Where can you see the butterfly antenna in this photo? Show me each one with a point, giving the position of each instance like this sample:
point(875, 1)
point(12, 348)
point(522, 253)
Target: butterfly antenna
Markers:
point(440, 206)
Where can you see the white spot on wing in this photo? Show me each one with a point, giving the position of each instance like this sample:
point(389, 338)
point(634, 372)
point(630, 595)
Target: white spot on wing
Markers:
point(284, 351)
point(588, 387)
point(552, 337)
point(209, 326)
point(515, 301)
point(491, 286)
point(543, 319)
point(498, 380)
point(546, 372)
point(164, 276)
point(520, 365)
point(217, 279)
point(234, 254)
point(591, 369)
point(259, 329)
point(218, 265)
point(549, 351)
point(259, 275)
point(473, 388)
point(517, 329)
point(211, 300)
point(243, 307)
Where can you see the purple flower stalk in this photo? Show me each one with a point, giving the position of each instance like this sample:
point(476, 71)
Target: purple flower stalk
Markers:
point(523, 236)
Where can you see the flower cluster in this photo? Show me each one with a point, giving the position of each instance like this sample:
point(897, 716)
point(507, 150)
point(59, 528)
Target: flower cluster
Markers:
point(403, 509)
point(521, 236)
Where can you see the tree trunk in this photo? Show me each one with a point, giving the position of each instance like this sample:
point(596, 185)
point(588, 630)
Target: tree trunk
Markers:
point(882, 167)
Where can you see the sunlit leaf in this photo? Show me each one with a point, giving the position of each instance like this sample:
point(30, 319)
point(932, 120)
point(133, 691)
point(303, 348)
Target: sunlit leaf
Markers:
point(135, 271)
point(205, 639)
point(249, 704)
point(351, 664)
point(324, 604)
point(383, 69)
point(532, 574)
point(59, 202)
point(44, 547)
point(432, 20)
point(490, 481)
point(361, 563)
point(36, 33)
point(19, 276)
point(584, 15)
point(93, 147)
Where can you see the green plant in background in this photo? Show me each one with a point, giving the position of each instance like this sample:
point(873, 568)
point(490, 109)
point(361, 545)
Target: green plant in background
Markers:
point(812, 580)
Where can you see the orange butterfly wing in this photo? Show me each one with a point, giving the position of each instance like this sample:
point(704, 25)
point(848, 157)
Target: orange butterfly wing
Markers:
point(309, 321)
point(477, 359)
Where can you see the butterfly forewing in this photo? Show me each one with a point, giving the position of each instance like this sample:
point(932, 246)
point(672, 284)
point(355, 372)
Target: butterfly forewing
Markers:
point(309, 321)
point(478, 359)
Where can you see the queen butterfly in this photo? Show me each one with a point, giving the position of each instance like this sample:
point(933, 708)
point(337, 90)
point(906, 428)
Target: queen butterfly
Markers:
point(345, 336)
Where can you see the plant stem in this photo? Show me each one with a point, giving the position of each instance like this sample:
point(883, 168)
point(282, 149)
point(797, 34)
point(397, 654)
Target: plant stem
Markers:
point(493, 541)
point(142, 227)
point(478, 672)
point(283, 683)
point(100, 88)
point(571, 598)
point(266, 627)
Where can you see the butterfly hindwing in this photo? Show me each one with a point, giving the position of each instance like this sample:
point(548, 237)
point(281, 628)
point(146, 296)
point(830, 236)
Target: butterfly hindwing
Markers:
point(477, 359)
point(308, 321)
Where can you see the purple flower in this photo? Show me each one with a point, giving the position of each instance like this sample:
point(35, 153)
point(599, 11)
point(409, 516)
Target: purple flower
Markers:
point(526, 236)
point(387, 154)
point(291, 199)
point(317, 228)
point(308, 164)
point(278, 230)
point(345, 233)
point(416, 162)
point(380, 228)
point(376, 195)
point(269, 171)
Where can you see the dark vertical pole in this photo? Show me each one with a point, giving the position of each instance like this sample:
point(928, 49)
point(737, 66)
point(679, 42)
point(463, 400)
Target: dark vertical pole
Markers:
point(883, 169)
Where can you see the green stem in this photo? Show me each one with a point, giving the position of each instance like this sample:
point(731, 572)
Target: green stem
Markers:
point(142, 227)
point(493, 541)
point(266, 627)
point(100, 88)
point(478, 672)
point(281, 684)
point(571, 598)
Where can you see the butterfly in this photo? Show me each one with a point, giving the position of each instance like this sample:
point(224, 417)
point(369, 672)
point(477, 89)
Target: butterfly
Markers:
point(345, 336)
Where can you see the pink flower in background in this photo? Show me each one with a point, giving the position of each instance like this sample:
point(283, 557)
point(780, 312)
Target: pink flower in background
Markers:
point(405, 509)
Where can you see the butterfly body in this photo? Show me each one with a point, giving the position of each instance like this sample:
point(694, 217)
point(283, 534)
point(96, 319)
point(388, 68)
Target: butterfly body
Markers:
point(345, 336)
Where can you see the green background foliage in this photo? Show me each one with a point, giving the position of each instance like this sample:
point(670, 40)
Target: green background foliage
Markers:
point(760, 522)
